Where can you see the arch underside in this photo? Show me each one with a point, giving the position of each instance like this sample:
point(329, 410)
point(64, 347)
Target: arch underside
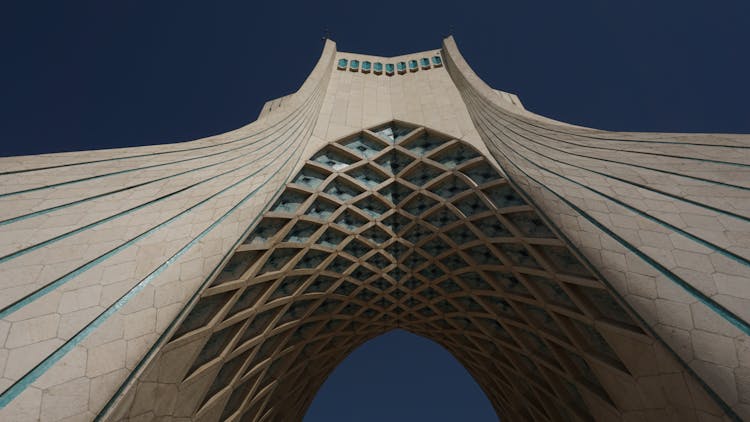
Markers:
point(401, 227)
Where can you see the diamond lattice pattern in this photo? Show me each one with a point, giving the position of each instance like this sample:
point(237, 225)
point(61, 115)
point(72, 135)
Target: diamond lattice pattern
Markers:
point(403, 227)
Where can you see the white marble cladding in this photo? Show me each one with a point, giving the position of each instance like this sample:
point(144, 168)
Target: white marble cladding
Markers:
point(664, 218)
point(100, 250)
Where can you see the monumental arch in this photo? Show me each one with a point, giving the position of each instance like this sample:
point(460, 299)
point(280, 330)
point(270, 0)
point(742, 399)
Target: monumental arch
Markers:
point(577, 274)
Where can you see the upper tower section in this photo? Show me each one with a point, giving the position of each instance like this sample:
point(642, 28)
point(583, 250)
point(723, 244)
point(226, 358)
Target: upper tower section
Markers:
point(367, 90)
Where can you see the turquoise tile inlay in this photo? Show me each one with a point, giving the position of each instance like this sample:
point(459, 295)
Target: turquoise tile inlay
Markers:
point(376, 235)
point(423, 144)
point(339, 265)
point(321, 209)
point(301, 232)
point(413, 65)
point(393, 132)
point(462, 234)
point(266, 230)
point(289, 201)
point(368, 176)
point(378, 68)
point(449, 187)
point(21, 384)
point(491, 227)
point(421, 174)
point(396, 222)
point(366, 66)
point(419, 204)
point(389, 69)
point(455, 155)
point(354, 65)
point(81, 229)
point(364, 146)
point(286, 288)
point(314, 257)
point(417, 233)
point(343, 189)
point(8, 395)
point(94, 262)
point(310, 178)
point(530, 224)
point(333, 159)
point(372, 206)
point(481, 255)
point(395, 192)
point(518, 254)
point(356, 248)
point(394, 161)
point(437, 61)
point(342, 64)
point(481, 174)
point(441, 218)
point(471, 205)
point(278, 259)
point(350, 220)
point(352, 243)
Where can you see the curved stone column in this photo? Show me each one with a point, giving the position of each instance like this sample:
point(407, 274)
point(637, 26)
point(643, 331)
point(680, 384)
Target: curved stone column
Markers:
point(663, 218)
point(100, 250)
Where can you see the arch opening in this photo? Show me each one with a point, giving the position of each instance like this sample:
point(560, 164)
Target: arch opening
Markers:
point(400, 376)
point(402, 227)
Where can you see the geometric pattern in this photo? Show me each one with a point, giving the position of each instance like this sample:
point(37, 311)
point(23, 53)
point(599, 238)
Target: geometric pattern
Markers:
point(401, 227)
point(665, 218)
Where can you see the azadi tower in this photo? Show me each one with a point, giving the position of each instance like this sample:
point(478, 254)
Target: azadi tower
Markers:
point(577, 274)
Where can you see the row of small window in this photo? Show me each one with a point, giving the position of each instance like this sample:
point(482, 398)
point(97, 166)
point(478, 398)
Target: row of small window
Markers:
point(378, 68)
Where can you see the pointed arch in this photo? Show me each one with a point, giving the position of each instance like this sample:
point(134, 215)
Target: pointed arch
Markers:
point(401, 226)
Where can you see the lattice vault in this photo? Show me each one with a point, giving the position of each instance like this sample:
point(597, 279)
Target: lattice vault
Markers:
point(400, 227)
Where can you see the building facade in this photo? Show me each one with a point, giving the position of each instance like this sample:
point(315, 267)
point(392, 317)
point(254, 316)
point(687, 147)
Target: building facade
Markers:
point(577, 274)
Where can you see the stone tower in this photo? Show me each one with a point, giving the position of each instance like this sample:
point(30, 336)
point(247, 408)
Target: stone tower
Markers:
point(578, 274)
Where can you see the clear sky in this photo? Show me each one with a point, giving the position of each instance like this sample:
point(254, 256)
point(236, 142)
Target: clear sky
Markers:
point(102, 74)
point(400, 377)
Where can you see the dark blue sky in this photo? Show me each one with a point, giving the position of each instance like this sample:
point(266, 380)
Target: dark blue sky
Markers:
point(400, 377)
point(101, 74)
point(97, 74)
